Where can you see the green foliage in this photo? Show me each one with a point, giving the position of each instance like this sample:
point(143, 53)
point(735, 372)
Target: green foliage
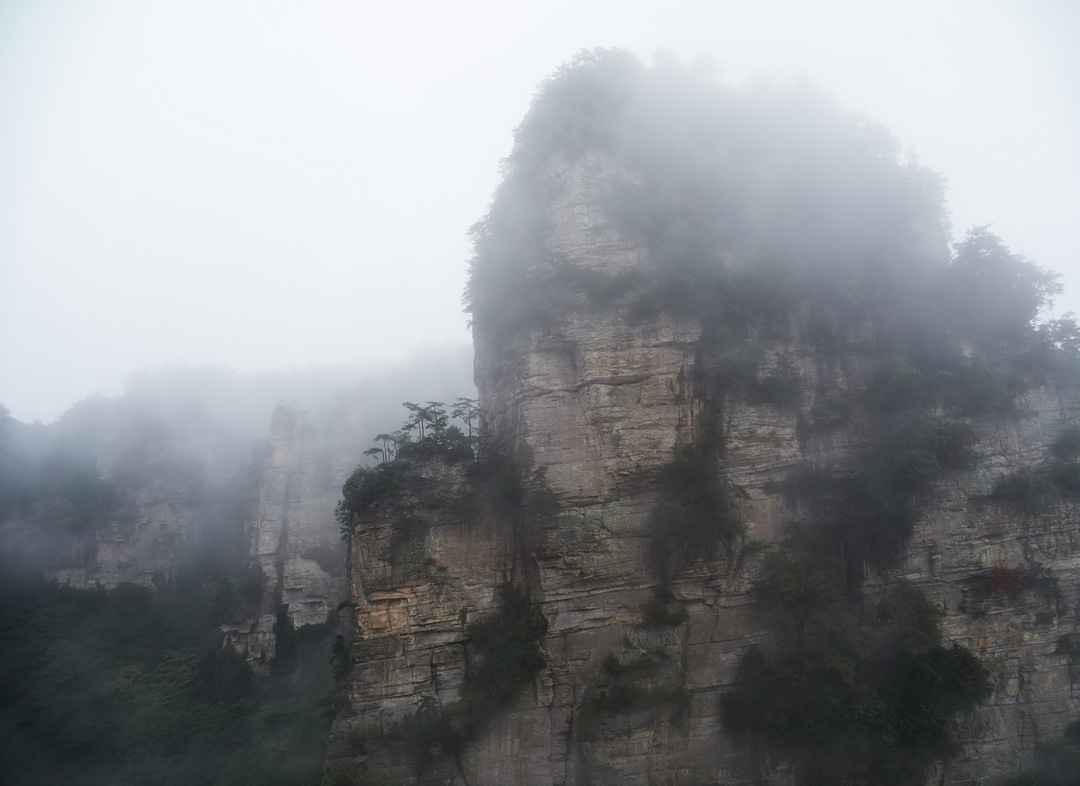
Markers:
point(695, 511)
point(341, 663)
point(622, 698)
point(630, 685)
point(743, 231)
point(241, 594)
point(343, 772)
point(540, 498)
point(428, 733)
point(426, 433)
point(782, 387)
point(655, 612)
point(369, 485)
point(935, 371)
point(129, 687)
point(849, 704)
point(504, 655)
point(914, 620)
point(755, 546)
point(507, 651)
point(1065, 478)
point(408, 530)
point(870, 511)
point(496, 483)
point(1026, 490)
point(739, 375)
point(842, 699)
point(1032, 491)
point(1037, 577)
point(77, 501)
point(801, 582)
point(711, 177)
point(994, 294)
point(50, 483)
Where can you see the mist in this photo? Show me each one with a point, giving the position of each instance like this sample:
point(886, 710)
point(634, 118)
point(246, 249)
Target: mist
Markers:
point(201, 184)
point(233, 240)
point(133, 539)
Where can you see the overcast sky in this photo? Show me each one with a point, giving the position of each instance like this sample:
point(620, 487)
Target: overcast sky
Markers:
point(267, 185)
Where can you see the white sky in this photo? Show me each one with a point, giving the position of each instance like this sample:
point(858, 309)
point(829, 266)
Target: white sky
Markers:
point(273, 185)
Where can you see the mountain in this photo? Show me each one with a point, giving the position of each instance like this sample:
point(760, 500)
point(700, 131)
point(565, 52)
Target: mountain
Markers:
point(772, 487)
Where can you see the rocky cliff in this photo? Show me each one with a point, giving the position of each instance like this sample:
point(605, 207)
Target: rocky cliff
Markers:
point(198, 495)
point(293, 537)
point(196, 476)
point(597, 396)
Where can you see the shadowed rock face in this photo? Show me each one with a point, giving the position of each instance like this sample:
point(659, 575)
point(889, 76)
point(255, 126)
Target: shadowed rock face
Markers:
point(600, 399)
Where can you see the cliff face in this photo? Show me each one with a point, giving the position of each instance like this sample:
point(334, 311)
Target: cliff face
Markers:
point(160, 488)
point(294, 538)
point(192, 497)
point(599, 398)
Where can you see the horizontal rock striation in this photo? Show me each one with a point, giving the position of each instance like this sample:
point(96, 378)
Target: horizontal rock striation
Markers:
point(592, 404)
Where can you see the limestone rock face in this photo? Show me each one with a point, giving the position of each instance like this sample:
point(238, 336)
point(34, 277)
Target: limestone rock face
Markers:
point(183, 490)
point(597, 400)
point(161, 471)
point(294, 537)
point(142, 551)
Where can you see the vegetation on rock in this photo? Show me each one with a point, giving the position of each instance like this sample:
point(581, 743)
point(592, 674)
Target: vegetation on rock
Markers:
point(850, 702)
point(695, 511)
point(427, 433)
point(505, 656)
point(508, 652)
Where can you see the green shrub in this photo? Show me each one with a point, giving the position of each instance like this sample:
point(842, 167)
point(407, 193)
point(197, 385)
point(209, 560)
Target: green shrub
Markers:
point(848, 707)
point(341, 663)
point(755, 546)
point(507, 652)
point(908, 614)
point(540, 498)
point(1037, 577)
point(782, 388)
point(801, 583)
point(612, 665)
point(655, 612)
point(407, 530)
point(428, 733)
point(1026, 490)
point(695, 511)
point(870, 512)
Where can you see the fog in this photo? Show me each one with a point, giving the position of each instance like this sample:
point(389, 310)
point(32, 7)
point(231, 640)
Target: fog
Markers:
point(278, 187)
point(215, 215)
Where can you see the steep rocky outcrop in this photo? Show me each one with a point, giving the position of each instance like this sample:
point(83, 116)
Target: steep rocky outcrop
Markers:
point(294, 537)
point(597, 399)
